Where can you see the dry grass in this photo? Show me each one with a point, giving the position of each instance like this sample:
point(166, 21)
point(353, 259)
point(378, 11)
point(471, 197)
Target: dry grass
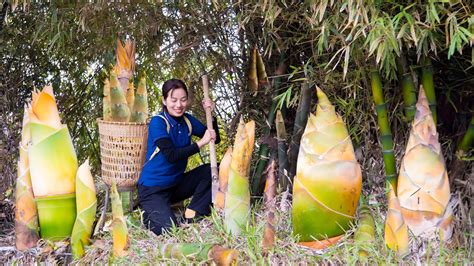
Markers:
point(144, 245)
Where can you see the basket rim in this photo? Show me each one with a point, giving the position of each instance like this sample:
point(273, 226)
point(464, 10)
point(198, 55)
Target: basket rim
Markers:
point(101, 121)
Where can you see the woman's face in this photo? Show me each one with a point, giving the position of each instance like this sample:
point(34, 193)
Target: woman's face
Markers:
point(176, 102)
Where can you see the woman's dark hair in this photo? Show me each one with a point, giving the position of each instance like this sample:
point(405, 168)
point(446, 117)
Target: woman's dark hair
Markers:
point(172, 84)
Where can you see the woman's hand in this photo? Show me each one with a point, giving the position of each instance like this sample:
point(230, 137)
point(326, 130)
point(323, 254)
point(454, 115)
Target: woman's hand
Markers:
point(209, 135)
point(208, 103)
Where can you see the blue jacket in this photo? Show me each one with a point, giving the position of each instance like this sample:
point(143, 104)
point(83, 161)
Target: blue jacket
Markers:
point(159, 171)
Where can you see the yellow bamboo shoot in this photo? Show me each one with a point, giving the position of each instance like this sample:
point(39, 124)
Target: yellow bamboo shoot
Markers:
point(224, 167)
point(423, 185)
point(237, 198)
point(328, 181)
point(119, 224)
point(86, 202)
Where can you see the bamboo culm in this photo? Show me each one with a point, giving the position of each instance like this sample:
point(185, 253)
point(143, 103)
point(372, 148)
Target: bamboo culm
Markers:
point(263, 151)
point(428, 85)
point(384, 127)
point(467, 142)
point(408, 87)
point(302, 115)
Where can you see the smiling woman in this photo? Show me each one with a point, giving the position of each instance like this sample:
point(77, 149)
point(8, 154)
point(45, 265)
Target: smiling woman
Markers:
point(163, 180)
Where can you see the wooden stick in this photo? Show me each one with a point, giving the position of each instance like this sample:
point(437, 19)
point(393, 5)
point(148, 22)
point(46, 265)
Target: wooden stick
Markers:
point(212, 147)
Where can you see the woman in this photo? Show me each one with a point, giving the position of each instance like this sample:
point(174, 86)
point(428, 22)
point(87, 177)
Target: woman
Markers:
point(163, 180)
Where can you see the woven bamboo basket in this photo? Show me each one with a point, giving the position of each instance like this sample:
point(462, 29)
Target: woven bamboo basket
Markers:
point(122, 151)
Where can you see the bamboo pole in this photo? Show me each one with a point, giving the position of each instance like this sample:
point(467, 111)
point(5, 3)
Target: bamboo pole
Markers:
point(212, 147)
point(385, 131)
point(408, 87)
point(467, 141)
point(302, 115)
point(263, 151)
point(428, 85)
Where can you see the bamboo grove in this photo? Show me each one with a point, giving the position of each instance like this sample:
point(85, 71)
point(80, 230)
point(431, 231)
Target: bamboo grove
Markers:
point(331, 101)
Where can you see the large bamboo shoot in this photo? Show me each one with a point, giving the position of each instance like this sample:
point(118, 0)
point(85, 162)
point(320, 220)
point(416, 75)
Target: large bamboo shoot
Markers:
point(86, 202)
point(423, 185)
point(328, 181)
point(26, 214)
point(53, 167)
point(237, 198)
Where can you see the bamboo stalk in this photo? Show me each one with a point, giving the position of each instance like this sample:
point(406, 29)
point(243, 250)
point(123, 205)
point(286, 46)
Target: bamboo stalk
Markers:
point(467, 141)
point(283, 179)
point(263, 151)
point(385, 131)
point(212, 146)
point(302, 115)
point(408, 87)
point(428, 85)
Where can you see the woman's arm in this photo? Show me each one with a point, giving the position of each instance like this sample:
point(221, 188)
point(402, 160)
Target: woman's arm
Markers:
point(199, 129)
point(173, 154)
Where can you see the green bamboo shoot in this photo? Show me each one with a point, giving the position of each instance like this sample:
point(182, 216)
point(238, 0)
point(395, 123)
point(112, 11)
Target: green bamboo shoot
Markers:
point(140, 107)
point(119, 224)
point(86, 202)
point(119, 107)
point(328, 181)
point(364, 236)
point(200, 252)
point(26, 214)
point(53, 167)
point(237, 198)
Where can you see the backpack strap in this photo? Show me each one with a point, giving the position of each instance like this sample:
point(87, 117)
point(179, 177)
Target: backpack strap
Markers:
point(155, 152)
point(188, 123)
point(186, 120)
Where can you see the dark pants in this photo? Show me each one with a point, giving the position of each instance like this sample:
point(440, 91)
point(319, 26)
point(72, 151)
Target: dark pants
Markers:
point(156, 201)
